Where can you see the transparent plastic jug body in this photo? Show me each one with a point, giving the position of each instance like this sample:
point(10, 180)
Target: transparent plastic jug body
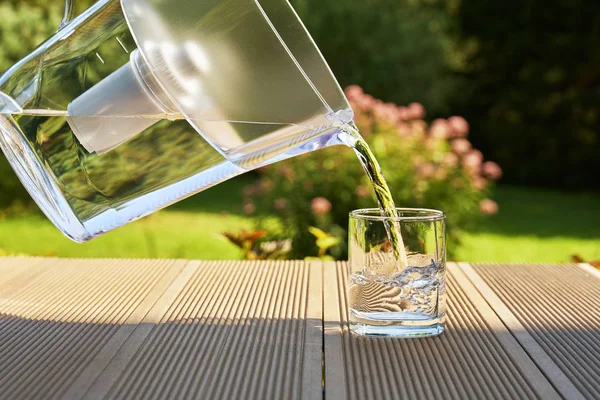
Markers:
point(134, 105)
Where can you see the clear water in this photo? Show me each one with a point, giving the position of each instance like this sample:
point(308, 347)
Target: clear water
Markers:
point(382, 191)
point(407, 302)
point(255, 112)
point(167, 152)
point(163, 164)
point(92, 194)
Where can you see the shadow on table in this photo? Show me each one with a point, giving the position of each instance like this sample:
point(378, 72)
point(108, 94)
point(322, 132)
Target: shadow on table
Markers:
point(463, 363)
point(252, 358)
point(199, 358)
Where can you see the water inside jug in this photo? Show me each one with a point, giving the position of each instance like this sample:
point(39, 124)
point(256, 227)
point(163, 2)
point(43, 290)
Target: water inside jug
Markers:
point(134, 105)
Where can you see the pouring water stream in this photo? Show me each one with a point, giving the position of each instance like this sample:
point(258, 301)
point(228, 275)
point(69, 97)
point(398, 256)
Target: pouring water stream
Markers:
point(353, 139)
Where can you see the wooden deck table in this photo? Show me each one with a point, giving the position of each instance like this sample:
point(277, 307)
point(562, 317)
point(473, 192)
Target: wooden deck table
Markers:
point(167, 329)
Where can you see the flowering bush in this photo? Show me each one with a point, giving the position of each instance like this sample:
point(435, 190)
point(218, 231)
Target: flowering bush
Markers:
point(253, 248)
point(433, 166)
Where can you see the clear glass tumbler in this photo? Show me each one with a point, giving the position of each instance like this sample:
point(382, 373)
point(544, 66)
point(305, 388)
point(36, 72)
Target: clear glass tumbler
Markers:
point(385, 296)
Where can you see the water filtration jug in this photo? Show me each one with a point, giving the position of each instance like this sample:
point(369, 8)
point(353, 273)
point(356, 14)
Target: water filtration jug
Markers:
point(136, 104)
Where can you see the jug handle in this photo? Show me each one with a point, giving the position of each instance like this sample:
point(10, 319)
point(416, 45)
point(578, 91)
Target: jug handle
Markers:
point(69, 13)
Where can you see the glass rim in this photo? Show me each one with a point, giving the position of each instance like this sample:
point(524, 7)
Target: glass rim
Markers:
point(420, 214)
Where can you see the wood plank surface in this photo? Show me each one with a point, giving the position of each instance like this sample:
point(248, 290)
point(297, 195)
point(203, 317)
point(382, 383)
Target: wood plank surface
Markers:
point(157, 329)
point(559, 306)
point(475, 358)
point(145, 329)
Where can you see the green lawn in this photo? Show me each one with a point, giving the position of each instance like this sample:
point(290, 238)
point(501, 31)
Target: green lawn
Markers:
point(536, 226)
point(189, 229)
point(532, 226)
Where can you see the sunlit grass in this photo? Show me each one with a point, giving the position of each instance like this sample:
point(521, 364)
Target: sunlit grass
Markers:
point(536, 226)
point(489, 247)
point(189, 229)
point(532, 226)
point(164, 235)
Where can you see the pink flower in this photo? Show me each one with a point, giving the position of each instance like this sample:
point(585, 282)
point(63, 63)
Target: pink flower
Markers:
point(362, 191)
point(491, 170)
point(249, 208)
point(403, 113)
point(440, 174)
point(488, 206)
point(479, 182)
point(364, 122)
point(417, 160)
point(403, 129)
point(386, 112)
point(354, 92)
point(425, 171)
point(264, 185)
point(280, 204)
point(439, 129)
point(472, 162)
point(363, 102)
point(287, 172)
point(418, 126)
point(431, 144)
point(459, 127)
point(416, 111)
point(320, 206)
point(450, 160)
point(461, 146)
point(248, 190)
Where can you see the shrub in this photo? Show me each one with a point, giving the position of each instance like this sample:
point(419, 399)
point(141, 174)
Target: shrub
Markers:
point(533, 75)
point(398, 50)
point(425, 165)
point(255, 248)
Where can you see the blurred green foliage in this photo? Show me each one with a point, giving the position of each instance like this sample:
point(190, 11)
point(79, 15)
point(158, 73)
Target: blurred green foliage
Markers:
point(423, 166)
point(25, 24)
point(533, 71)
point(526, 74)
point(398, 51)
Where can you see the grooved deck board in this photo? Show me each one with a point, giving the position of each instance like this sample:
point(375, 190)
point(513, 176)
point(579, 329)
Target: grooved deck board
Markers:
point(475, 358)
point(154, 329)
point(559, 306)
point(235, 331)
point(159, 329)
point(56, 324)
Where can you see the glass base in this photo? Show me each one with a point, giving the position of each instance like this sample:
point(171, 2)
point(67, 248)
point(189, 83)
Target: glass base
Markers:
point(398, 329)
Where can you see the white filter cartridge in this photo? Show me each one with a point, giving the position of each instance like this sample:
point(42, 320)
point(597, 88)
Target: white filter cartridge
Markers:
point(116, 109)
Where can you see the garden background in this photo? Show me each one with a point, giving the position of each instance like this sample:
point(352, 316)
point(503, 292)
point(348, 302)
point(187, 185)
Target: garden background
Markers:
point(445, 91)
